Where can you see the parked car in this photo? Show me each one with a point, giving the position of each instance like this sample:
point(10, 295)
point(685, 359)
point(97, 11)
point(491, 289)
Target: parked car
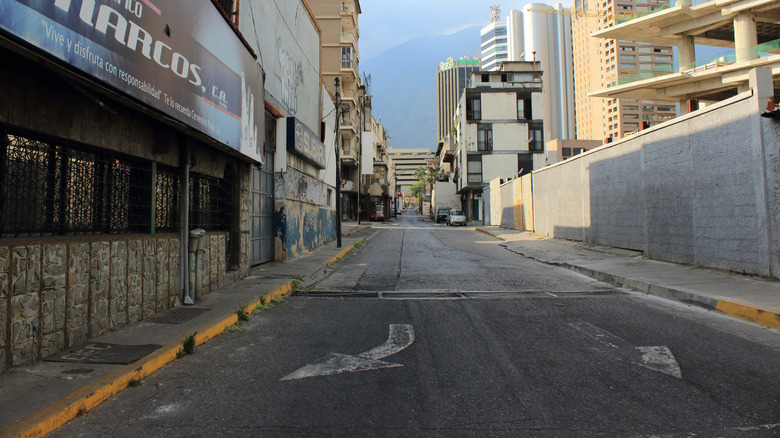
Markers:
point(378, 216)
point(441, 215)
point(456, 217)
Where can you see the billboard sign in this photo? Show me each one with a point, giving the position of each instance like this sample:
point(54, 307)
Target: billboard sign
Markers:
point(182, 60)
point(305, 143)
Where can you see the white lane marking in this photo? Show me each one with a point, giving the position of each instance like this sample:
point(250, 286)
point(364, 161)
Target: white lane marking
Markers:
point(401, 336)
point(660, 359)
point(654, 358)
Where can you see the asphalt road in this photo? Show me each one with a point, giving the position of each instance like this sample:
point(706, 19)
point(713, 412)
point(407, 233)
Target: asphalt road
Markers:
point(430, 330)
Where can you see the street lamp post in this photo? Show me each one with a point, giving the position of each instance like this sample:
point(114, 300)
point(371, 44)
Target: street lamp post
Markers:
point(338, 167)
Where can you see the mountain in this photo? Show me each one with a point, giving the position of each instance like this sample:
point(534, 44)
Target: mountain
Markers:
point(403, 83)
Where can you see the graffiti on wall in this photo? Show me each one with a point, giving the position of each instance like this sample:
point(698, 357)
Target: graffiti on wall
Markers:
point(301, 228)
point(291, 76)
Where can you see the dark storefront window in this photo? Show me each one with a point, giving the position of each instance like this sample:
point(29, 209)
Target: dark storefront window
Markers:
point(211, 203)
point(50, 188)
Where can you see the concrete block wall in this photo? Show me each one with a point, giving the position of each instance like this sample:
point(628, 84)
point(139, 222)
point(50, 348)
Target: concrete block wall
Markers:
point(522, 198)
point(511, 203)
point(771, 134)
point(702, 189)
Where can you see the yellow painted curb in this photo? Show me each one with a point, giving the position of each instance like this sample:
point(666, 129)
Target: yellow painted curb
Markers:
point(760, 315)
point(344, 252)
point(84, 399)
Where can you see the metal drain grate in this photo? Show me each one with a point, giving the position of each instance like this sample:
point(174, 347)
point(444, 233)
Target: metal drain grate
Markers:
point(455, 295)
point(178, 315)
point(100, 353)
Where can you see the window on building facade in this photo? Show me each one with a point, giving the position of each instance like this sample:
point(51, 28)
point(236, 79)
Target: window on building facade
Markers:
point(485, 138)
point(474, 169)
point(347, 57)
point(525, 164)
point(535, 138)
point(48, 188)
point(474, 108)
point(524, 108)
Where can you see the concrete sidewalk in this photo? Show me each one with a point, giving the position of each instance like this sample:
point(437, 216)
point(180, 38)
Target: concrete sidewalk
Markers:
point(741, 296)
point(37, 399)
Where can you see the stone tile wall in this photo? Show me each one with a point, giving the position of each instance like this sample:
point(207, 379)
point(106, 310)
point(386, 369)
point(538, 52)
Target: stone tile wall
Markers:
point(56, 294)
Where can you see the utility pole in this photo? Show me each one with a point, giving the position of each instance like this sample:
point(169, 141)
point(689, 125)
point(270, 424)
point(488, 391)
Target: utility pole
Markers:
point(338, 166)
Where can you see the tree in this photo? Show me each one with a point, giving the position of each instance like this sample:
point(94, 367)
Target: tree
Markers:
point(429, 174)
point(417, 189)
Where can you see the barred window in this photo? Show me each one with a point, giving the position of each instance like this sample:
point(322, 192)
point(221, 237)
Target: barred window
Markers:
point(53, 189)
point(211, 203)
point(48, 188)
point(167, 197)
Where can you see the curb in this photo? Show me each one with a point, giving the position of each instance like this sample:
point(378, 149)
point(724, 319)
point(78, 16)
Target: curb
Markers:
point(90, 396)
point(747, 312)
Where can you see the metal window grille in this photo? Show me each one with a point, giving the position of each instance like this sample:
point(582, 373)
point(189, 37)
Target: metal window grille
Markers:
point(53, 189)
point(167, 197)
point(211, 203)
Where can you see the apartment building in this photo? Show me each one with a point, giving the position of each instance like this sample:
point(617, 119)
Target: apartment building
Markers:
point(499, 130)
point(377, 188)
point(338, 21)
point(604, 63)
point(542, 33)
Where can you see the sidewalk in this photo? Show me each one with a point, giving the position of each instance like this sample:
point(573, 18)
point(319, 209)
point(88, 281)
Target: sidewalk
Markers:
point(37, 399)
point(740, 296)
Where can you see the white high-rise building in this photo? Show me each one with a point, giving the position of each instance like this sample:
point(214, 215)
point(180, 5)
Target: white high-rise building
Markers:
point(494, 41)
point(538, 32)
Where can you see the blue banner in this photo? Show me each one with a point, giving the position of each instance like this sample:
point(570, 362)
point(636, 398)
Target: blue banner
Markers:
point(305, 143)
point(185, 61)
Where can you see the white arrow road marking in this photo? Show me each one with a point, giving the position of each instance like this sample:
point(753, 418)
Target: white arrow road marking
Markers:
point(657, 358)
point(401, 336)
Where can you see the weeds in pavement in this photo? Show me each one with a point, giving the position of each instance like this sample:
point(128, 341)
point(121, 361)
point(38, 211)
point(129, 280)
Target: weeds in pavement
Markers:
point(187, 347)
point(134, 383)
point(233, 328)
point(242, 314)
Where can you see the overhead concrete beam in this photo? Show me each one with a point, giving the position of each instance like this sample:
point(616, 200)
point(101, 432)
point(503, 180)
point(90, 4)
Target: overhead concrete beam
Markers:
point(695, 26)
point(690, 89)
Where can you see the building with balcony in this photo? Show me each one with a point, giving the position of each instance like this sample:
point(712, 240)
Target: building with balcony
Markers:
point(499, 131)
point(377, 191)
point(747, 30)
point(602, 63)
point(338, 20)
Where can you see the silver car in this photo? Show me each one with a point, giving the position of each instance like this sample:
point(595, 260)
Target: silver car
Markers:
point(456, 217)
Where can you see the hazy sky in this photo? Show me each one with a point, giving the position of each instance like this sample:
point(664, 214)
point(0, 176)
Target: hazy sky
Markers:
point(387, 23)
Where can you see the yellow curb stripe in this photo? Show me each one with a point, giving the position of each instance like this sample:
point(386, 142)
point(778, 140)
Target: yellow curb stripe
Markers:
point(760, 315)
point(344, 252)
point(84, 399)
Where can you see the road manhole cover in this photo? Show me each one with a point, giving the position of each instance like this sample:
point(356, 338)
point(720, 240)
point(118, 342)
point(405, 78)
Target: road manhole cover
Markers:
point(97, 352)
point(178, 315)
